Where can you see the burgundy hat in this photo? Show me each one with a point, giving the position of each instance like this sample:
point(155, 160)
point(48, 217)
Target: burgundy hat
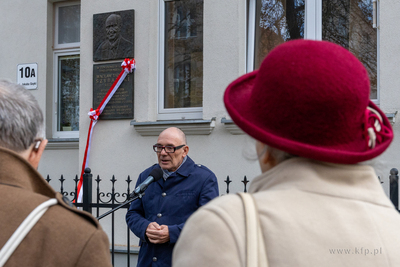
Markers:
point(311, 99)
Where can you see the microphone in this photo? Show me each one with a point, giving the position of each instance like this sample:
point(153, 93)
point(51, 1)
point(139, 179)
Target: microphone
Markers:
point(154, 175)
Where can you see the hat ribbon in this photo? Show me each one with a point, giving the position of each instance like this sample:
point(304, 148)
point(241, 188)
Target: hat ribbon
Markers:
point(375, 130)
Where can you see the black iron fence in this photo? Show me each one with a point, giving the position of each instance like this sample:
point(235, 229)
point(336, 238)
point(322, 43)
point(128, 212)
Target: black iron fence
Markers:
point(394, 187)
point(113, 200)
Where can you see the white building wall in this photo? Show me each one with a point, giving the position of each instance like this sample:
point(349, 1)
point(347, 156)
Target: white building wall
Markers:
point(117, 148)
point(389, 80)
point(26, 37)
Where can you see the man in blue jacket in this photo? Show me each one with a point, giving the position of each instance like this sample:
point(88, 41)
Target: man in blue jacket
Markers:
point(159, 216)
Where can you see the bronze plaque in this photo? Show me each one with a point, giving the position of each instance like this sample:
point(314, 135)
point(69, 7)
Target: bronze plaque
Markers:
point(120, 105)
point(113, 35)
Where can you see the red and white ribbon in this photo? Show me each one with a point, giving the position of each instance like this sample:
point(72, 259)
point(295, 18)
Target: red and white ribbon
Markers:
point(128, 65)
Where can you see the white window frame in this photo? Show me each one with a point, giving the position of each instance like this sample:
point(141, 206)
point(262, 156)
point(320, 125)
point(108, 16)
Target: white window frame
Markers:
point(169, 113)
point(69, 49)
point(56, 81)
point(56, 33)
point(312, 31)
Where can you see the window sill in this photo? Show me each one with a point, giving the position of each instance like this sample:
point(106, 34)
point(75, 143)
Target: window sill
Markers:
point(231, 126)
point(391, 117)
point(62, 143)
point(189, 127)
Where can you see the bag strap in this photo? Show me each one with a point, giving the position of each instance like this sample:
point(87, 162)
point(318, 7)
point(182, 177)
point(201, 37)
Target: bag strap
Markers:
point(255, 247)
point(23, 230)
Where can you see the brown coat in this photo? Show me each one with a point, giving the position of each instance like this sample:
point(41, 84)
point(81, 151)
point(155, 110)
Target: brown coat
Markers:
point(64, 236)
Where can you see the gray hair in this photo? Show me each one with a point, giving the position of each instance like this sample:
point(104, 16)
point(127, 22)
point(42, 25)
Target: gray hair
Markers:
point(21, 119)
point(277, 155)
point(249, 151)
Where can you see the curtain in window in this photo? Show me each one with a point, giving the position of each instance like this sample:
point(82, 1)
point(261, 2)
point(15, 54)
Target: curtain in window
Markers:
point(277, 21)
point(68, 93)
point(69, 22)
point(349, 24)
point(183, 54)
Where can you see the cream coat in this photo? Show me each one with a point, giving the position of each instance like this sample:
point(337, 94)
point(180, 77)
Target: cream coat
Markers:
point(312, 214)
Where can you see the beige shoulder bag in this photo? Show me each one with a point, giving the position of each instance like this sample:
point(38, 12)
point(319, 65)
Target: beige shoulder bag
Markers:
point(255, 248)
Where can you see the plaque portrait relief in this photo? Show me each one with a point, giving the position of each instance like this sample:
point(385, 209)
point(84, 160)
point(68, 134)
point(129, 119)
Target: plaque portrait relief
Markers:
point(113, 35)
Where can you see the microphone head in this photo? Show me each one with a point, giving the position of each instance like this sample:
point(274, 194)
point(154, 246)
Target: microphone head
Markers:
point(157, 173)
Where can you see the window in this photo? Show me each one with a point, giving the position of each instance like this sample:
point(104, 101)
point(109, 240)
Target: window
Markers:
point(276, 21)
point(66, 70)
point(349, 23)
point(180, 94)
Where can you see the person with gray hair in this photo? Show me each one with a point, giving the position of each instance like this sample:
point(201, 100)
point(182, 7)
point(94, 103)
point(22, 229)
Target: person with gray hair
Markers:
point(316, 201)
point(158, 217)
point(21, 118)
point(62, 235)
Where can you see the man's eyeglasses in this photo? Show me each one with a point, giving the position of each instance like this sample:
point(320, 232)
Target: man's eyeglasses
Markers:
point(168, 149)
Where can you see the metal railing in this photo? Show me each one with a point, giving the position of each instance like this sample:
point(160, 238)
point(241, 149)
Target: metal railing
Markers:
point(110, 200)
point(115, 200)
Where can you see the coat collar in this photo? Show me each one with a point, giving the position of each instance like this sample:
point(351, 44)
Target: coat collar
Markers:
point(339, 180)
point(16, 171)
point(187, 167)
point(183, 172)
point(167, 173)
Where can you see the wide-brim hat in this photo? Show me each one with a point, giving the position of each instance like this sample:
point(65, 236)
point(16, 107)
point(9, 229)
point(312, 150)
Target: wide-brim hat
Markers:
point(311, 99)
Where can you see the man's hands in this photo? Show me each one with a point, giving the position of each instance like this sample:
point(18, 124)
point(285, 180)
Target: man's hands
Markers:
point(157, 234)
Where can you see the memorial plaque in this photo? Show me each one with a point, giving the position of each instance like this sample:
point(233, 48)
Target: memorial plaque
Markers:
point(121, 104)
point(113, 35)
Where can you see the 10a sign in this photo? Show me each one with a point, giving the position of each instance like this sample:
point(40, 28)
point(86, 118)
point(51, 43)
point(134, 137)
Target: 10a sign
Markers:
point(27, 75)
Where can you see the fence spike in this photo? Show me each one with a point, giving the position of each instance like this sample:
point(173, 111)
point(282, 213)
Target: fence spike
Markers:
point(62, 185)
point(74, 194)
point(227, 181)
point(128, 180)
point(113, 180)
point(128, 190)
point(76, 180)
point(245, 181)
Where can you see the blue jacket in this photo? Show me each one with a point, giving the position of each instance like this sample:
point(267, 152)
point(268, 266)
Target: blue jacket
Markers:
point(169, 202)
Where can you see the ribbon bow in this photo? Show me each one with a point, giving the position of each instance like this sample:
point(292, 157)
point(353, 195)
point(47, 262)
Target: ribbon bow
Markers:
point(94, 114)
point(375, 130)
point(128, 65)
